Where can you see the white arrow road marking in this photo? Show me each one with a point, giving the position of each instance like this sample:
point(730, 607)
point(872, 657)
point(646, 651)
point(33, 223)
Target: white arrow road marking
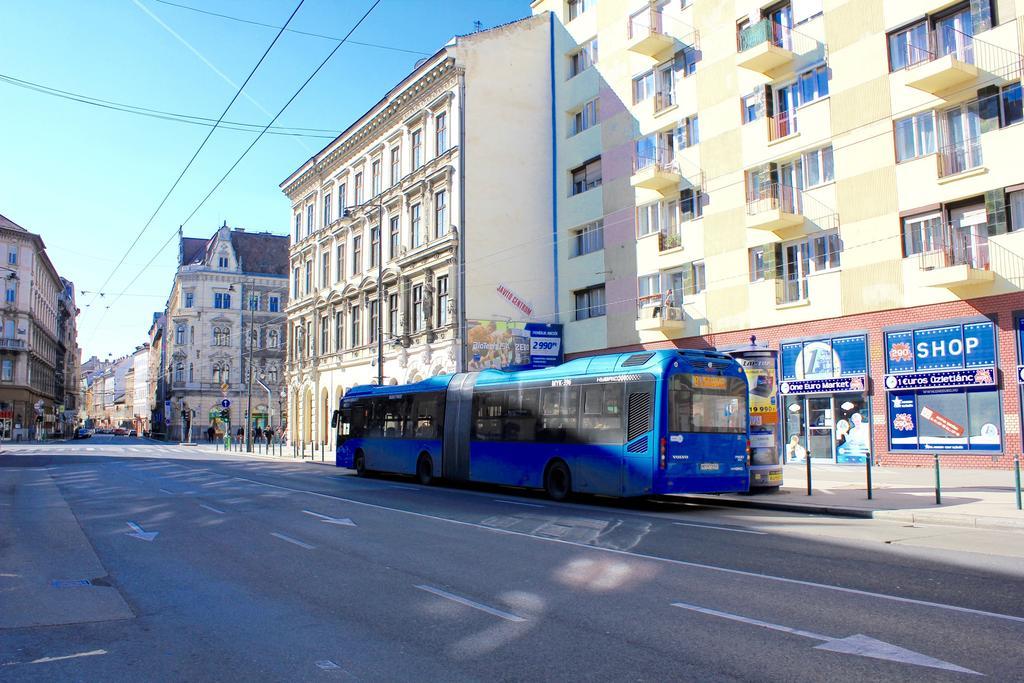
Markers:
point(343, 521)
point(292, 540)
point(858, 644)
point(137, 532)
point(722, 528)
point(469, 603)
point(47, 660)
point(211, 508)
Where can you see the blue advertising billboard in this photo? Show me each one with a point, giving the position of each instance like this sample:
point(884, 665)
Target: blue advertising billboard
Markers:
point(513, 346)
point(824, 358)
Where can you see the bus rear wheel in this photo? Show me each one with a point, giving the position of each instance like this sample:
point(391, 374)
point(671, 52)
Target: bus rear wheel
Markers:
point(425, 470)
point(360, 464)
point(558, 481)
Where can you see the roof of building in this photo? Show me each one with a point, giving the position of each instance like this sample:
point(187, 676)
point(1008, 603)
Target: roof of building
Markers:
point(192, 247)
point(257, 252)
point(6, 222)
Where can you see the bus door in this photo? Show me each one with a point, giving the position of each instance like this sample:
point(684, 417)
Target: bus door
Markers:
point(640, 441)
point(458, 420)
point(342, 422)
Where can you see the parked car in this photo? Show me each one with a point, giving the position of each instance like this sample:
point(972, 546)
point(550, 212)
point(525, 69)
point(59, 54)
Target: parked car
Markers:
point(120, 431)
point(82, 433)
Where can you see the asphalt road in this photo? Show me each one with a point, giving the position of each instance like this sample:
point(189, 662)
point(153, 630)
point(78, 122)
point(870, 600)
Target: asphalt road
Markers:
point(133, 561)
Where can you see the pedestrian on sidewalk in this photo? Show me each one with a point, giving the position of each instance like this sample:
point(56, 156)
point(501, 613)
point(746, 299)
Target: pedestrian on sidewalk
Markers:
point(209, 434)
point(259, 433)
point(269, 434)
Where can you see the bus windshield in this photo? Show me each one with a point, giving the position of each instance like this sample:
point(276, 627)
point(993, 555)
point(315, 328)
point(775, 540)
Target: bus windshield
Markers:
point(707, 403)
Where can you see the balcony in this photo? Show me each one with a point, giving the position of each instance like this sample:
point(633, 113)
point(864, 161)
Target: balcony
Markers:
point(791, 290)
point(655, 170)
point(670, 239)
point(781, 126)
point(774, 207)
point(765, 47)
point(960, 157)
point(12, 344)
point(660, 312)
point(957, 257)
point(946, 63)
point(645, 34)
point(664, 100)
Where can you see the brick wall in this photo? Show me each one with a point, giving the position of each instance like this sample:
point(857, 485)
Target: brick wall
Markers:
point(1000, 309)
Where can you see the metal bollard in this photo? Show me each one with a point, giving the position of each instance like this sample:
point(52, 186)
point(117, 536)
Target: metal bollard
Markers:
point(809, 493)
point(938, 482)
point(1016, 477)
point(868, 470)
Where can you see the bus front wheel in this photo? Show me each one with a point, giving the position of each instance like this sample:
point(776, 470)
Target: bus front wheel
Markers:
point(425, 470)
point(558, 481)
point(360, 464)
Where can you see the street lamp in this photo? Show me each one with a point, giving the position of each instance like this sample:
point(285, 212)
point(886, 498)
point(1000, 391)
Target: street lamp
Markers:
point(347, 213)
point(248, 402)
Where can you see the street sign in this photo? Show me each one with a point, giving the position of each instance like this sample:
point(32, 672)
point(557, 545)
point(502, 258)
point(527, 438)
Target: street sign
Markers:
point(225, 403)
point(224, 388)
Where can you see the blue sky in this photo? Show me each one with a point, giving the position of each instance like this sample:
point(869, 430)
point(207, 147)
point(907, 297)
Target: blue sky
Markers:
point(88, 178)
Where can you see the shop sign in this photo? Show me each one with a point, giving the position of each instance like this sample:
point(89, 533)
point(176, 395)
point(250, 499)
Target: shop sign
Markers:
point(952, 346)
point(902, 422)
point(824, 358)
point(856, 383)
point(945, 379)
point(514, 299)
point(513, 346)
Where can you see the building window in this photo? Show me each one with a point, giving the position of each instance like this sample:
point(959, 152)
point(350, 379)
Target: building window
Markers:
point(272, 339)
point(588, 239)
point(309, 276)
point(691, 204)
point(339, 263)
point(357, 255)
point(442, 301)
point(309, 220)
point(818, 167)
point(590, 302)
point(417, 308)
point(915, 136)
point(274, 304)
point(7, 373)
point(417, 149)
point(324, 331)
point(11, 295)
point(342, 197)
point(298, 226)
point(584, 58)
point(656, 217)
point(648, 287)
point(393, 315)
point(179, 372)
point(1015, 203)
point(813, 84)
point(358, 182)
point(441, 133)
point(440, 214)
point(222, 261)
point(758, 264)
point(374, 319)
point(586, 177)
point(12, 252)
point(753, 106)
point(922, 233)
point(374, 245)
point(395, 238)
point(396, 165)
point(416, 229)
point(375, 178)
point(687, 133)
point(190, 299)
point(643, 86)
point(179, 335)
point(222, 300)
point(325, 269)
point(584, 118)
point(908, 46)
point(310, 340)
point(327, 209)
point(698, 281)
point(578, 7)
point(353, 326)
point(339, 330)
point(295, 283)
point(1011, 108)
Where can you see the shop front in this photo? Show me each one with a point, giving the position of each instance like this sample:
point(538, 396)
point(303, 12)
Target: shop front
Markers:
point(826, 406)
point(942, 389)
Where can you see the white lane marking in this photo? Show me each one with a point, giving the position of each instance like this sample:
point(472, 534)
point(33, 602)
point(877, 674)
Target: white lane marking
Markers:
point(403, 488)
point(721, 528)
point(137, 532)
point(47, 660)
point(469, 603)
point(211, 508)
point(858, 644)
point(667, 560)
point(516, 502)
point(343, 521)
point(292, 540)
point(327, 664)
point(164, 491)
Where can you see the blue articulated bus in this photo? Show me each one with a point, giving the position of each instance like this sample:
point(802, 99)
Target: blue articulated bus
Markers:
point(630, 424)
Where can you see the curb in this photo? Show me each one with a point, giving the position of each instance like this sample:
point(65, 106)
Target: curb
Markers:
point(912, 516)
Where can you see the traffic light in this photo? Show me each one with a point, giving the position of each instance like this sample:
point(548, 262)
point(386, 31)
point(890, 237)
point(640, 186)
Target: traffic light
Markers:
point(224, 414)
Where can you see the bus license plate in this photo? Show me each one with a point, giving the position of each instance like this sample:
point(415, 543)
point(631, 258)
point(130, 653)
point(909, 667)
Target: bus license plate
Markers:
point(775, 476)
point(709, 467)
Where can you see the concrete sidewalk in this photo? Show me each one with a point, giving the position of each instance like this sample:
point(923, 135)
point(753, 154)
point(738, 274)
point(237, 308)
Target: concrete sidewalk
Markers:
point(974, 498)
point(285, 454)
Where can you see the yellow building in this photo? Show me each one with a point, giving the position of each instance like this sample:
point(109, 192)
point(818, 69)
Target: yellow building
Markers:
point(425, 225)
point(836, 179)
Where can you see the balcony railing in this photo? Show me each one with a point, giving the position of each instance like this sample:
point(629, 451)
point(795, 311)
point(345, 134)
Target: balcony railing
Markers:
point(781, 125)
point(660, 158)
point(774, 196)
point(12, 344)
point(790, 290)
point(959, 157)
point(946, 41)
point(765, 31)
point(670, 238)
point(956, 245)
point(660, 306)
point(664, 99)
point(644, 22)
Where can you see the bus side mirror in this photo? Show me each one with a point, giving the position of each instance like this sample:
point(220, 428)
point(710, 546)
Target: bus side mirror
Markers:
point(334, 419)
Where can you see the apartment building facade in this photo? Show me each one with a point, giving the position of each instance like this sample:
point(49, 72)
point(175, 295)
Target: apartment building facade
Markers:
point(834, 179)
point(226, 307)
point(36, 338)
point(423, 233)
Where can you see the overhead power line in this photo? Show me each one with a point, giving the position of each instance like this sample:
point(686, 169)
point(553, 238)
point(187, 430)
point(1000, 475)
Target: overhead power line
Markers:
point(293, 30)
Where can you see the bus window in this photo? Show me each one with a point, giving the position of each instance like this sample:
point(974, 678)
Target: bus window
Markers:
point(425, 416)
point(707, 403)
point(601, 421)
point(394, 413)
point(560, 407)
point(488, 408)
point(520, 421)
point(360, 418)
